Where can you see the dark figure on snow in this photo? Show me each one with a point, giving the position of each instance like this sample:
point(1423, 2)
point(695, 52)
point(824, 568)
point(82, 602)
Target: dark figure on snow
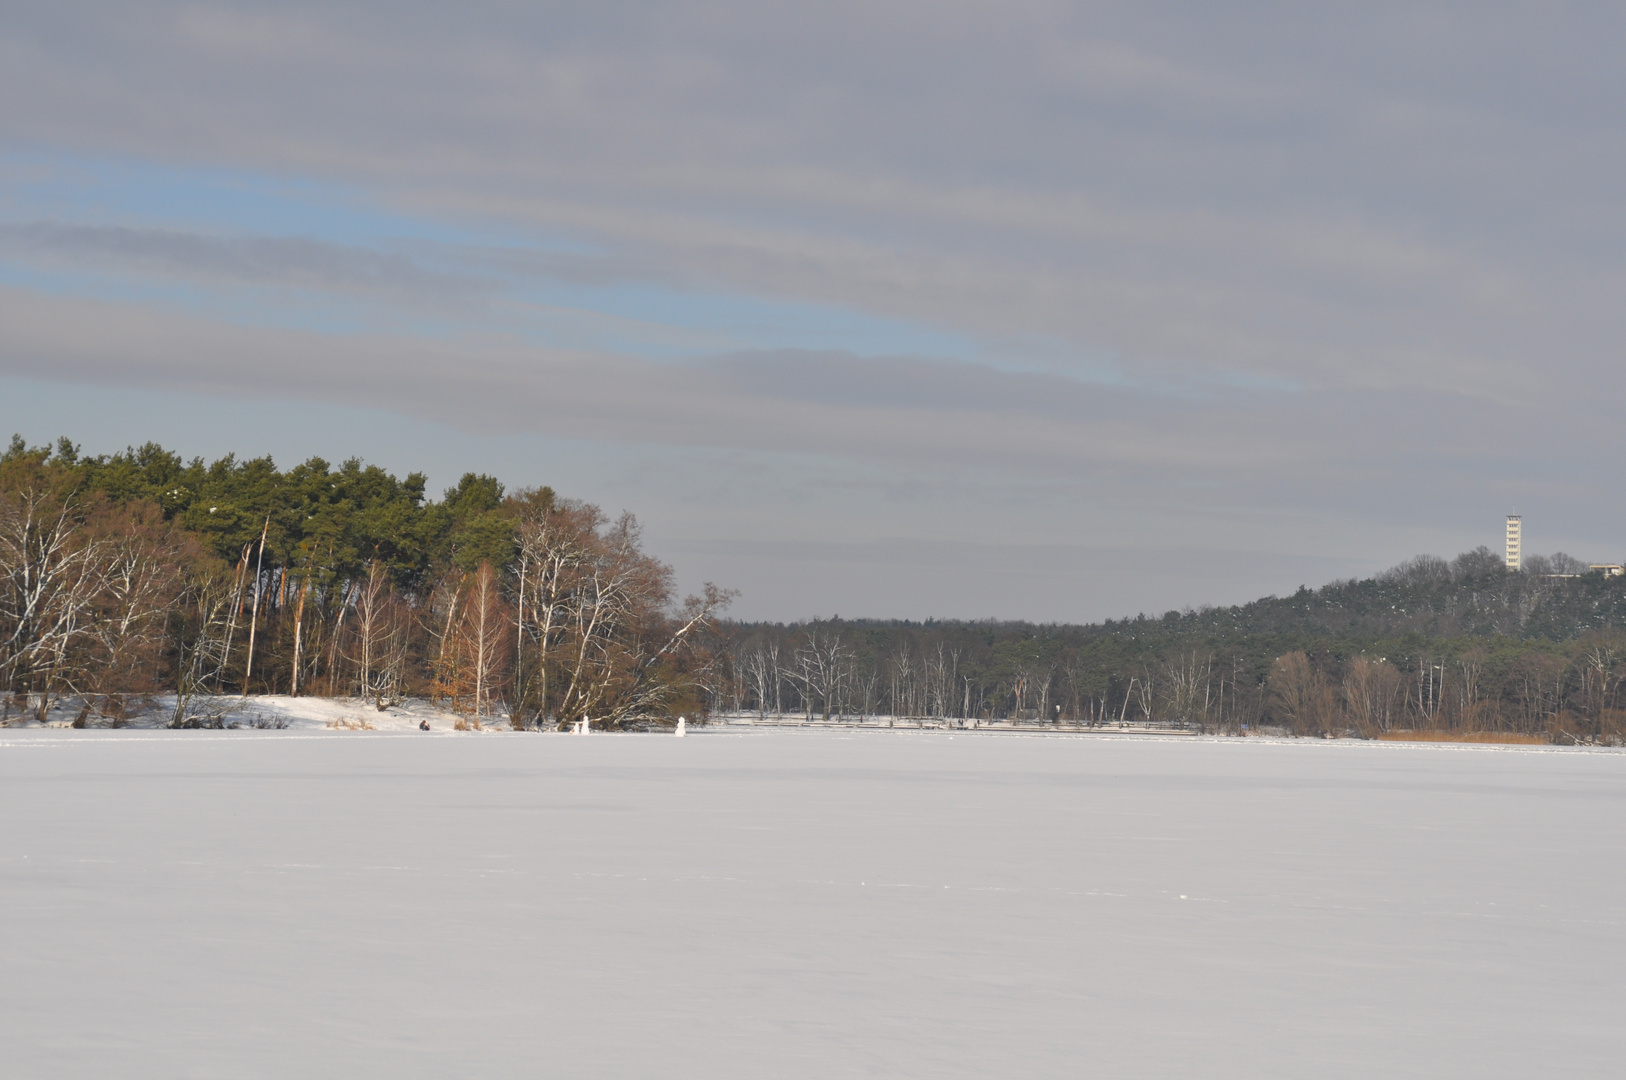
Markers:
point(423, 725)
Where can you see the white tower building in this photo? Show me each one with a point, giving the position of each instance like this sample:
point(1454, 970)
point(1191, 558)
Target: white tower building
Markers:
point(1515, 539)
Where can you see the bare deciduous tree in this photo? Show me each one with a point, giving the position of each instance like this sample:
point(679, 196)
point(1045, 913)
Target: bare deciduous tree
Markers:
point(140, 573)
point(484, 632)
point(1372, 694)
point(48, 586)
point(1186, 680)
point(1300, 695)
point(604, 646)
point(822, 669)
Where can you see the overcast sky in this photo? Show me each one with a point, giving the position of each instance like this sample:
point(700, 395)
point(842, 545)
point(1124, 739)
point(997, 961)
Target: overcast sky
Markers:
point(1021, 310)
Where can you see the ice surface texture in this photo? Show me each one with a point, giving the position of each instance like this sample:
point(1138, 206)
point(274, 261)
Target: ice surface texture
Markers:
point(805, 904)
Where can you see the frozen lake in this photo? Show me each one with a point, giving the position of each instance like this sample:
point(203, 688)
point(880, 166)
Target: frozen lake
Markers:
point(805, 904)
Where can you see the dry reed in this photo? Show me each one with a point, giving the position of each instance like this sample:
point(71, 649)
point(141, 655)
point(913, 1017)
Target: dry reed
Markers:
point(1516, 737)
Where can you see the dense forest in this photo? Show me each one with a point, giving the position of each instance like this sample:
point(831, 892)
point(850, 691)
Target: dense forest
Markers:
point(1429, 645)
point(136, 578)
point(128, 576)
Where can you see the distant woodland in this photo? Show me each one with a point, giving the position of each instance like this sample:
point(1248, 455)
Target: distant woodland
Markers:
point(135, 578)
point(1428, 646)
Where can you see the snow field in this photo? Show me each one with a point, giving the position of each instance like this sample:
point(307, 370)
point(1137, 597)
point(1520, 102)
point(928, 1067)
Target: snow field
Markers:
point(805, 904)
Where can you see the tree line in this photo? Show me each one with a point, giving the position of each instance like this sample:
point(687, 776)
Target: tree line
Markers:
point(131, 577)
point(128, 576)
point(1429, 646)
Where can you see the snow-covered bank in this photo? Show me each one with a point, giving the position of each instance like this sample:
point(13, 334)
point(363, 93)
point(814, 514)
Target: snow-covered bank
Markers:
point(805, 904)
point(263, 711)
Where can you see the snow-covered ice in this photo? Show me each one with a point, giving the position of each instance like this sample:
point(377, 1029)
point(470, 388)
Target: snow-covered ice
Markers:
point(805, 904)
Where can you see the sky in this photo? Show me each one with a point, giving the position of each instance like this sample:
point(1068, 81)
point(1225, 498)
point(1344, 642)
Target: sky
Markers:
point(1020, 310)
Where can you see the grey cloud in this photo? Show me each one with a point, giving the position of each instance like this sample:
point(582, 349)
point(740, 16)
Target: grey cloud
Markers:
point(1306, 454)
point(903, 382)
point(1337, 196)
point(760, 401)
point(591, 268)
point(448, 275)
point(294, 262)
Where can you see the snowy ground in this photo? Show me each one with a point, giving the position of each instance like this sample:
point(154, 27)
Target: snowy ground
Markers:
point(273, 711)
point(805, 904)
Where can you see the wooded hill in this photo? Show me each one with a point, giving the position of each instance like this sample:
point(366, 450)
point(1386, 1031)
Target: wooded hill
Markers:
point(1429, 645)
point(1553, 598)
